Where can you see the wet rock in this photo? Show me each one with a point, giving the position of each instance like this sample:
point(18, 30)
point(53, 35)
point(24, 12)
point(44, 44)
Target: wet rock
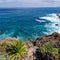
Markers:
point(56, 24)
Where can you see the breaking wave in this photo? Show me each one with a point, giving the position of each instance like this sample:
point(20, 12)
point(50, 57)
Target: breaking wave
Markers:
point(54, 26)
point(25, 24)
point(51, 17)
point(40, 20)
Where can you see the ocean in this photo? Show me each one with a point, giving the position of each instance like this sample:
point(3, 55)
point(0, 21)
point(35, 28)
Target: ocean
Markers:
point(28, 23)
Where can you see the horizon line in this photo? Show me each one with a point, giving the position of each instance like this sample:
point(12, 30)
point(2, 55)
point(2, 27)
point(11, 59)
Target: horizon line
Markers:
point(31, 7)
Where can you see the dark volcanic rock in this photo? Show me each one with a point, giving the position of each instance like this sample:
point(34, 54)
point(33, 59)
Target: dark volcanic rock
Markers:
point(54, 36)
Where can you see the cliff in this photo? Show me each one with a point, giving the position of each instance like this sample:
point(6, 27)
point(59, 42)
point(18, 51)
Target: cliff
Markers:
point(33, 47)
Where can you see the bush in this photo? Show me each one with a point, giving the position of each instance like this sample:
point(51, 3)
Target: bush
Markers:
point(17, 50)
point(50, 50)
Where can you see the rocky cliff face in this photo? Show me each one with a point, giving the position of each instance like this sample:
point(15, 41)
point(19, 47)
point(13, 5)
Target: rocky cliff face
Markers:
point(53, 37)
point(33, 46)
point(55, 41)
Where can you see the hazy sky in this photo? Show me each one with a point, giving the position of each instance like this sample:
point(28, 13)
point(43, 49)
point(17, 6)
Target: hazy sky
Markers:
point(29, 3)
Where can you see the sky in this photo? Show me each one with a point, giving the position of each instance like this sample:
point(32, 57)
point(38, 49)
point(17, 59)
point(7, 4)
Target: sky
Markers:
point(29, 3)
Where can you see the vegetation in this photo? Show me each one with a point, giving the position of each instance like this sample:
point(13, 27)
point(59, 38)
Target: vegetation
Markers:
point(3, 57)
point(50, 50)
point(55, 53)
point(12, 50)
point(45, 48)
point(17, 50)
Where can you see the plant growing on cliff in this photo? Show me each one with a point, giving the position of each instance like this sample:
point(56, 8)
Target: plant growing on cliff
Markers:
point(17, 50)
point(49, 49)
point(4, 57)
point(55, 53)
point(45, 47)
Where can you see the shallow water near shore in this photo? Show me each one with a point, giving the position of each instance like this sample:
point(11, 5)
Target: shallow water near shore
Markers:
point(28, 23)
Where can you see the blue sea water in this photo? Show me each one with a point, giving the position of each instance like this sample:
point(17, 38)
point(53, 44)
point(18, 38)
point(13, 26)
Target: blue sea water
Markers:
point(28, 23)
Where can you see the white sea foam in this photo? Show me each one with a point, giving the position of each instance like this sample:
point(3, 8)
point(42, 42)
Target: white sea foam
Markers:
point(52, 28)
point(51, 17)
point(49, 27)
point(55, 19)
point(40, 20)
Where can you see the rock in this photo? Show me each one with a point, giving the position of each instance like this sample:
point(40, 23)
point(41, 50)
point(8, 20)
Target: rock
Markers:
point(39, 41)
point(56, 24)
point(33, 45)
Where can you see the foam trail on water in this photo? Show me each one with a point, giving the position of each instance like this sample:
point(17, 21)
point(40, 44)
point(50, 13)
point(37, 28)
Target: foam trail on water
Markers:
point(51, 17)
point(54, 26)
point(40, 20)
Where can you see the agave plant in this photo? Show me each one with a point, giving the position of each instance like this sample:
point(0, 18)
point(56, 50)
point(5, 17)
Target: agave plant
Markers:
point(17, 50)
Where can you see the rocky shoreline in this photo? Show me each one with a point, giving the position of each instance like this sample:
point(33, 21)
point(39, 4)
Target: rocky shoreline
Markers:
point(40, 41)
point(33, 46)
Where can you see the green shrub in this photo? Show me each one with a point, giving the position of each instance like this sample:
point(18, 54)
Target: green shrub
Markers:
point(3, 57)
point(55, 53)
point(45, 47)
point(49, 49)
point(17, 50)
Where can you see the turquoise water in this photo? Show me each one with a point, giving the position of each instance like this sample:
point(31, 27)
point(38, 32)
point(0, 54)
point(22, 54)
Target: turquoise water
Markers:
point(28, 23)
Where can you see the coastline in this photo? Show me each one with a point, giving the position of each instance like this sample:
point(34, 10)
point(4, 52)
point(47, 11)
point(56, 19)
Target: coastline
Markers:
point(33, 45)
point(47, 38)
